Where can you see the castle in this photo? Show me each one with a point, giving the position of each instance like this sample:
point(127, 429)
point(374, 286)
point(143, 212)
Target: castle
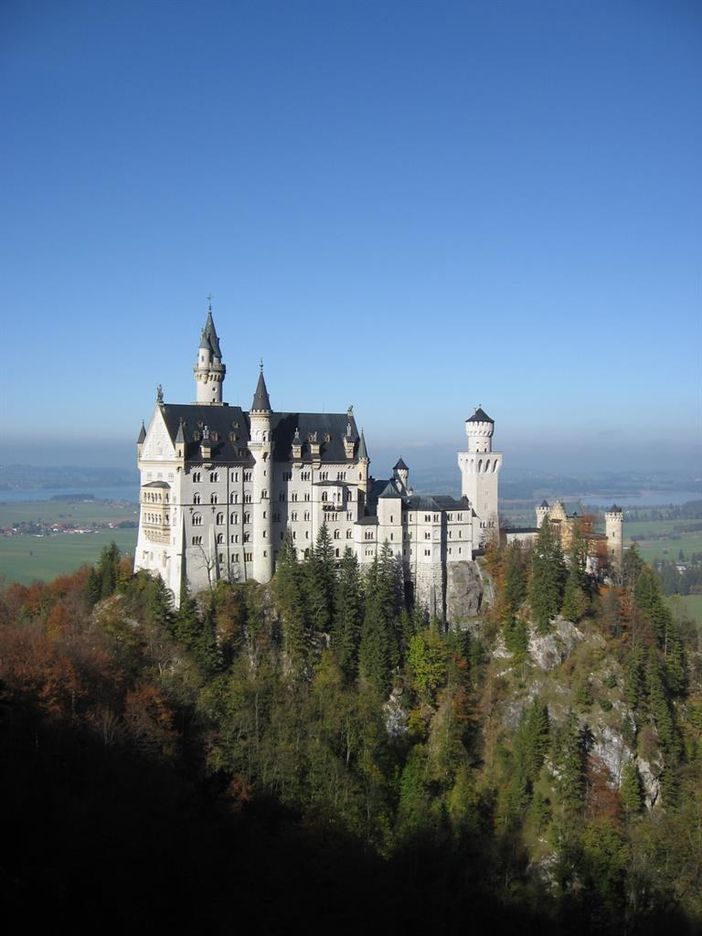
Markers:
point(602, 550)
point(220, 486)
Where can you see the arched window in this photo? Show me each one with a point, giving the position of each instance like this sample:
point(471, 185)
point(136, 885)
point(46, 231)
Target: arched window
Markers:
point(337, 535)
point(214, 476)
point(220, 519)
point(197, 519)
point(220, 537)
point(214, 499)
point(196, 498)
point(324, 495)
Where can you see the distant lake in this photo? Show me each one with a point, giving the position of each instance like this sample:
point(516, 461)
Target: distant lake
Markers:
point(129, 492)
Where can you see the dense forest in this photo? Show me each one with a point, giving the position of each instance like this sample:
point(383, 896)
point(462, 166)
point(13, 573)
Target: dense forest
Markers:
point(318, 753)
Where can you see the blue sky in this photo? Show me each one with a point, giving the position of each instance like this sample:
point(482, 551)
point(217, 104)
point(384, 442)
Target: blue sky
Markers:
point(411, 207)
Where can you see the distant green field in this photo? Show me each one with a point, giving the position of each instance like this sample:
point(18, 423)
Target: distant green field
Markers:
point(664, 538)
point(28, 558)
point(79, 512)
point(692, 604)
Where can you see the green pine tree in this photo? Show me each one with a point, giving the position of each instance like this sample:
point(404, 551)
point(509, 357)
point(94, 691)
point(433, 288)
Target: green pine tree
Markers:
point(547, 577)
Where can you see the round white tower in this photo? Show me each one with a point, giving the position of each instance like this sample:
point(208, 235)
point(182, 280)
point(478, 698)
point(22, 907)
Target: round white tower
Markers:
point(480, 468)
point(209, 370)
point(479, 429)
point(614, 531)
point(261, 447)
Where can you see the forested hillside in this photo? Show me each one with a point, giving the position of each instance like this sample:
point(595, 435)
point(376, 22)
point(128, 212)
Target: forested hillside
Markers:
point(317, 753)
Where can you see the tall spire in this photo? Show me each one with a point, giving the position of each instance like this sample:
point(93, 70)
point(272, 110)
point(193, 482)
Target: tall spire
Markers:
point(209, 369)
point(261, 401)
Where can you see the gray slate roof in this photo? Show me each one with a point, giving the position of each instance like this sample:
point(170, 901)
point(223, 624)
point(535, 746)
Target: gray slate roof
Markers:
point(209, 338)
point(261, 401)
point(142, 434)
point(480, 416)
point(400, 465)
point(228, 422)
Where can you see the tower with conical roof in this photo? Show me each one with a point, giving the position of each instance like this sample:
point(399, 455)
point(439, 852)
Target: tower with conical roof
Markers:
point(261, 447)
point(480, 468)
point(209, 370)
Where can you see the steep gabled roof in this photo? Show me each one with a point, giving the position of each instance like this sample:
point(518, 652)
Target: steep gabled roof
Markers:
point(400, 466)
point(389, 490)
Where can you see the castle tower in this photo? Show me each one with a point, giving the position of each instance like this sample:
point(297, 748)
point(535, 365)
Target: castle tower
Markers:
point(261, 446)
point(542, 513)
point(614, 531)
point(209, 370)
point(363, 464)
point(480, 468)
point(401, 474)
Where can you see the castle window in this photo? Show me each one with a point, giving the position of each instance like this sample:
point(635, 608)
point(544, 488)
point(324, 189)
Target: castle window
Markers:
point(196, 477)
point(264, 495)
point(349, 494)
point(236, 557)
point(197, 541)
point(247, 537)
point(460, 534)
point(214, 476)
point(247, 476)
point(307, 534)
point(305, 476)
point(234, 518)
point(214, 499)
point(450, 550)
point(293, 516)
point(427, 518)
point(307, 515)
point(392, 519)
point(234, 538)
point(247, 518)
point(247, 498)
point(248, 557)
point(436, 518)
point(427, 536)
point(307, 553)
point(235, 474)
point(197, 519)
point(220, 519)
point(427, 552)
point(392, 536)
point(294, 535)
point(293, 496)
point(196, 498)
point(307, 495)
point(324, 495)
point(349, 534)
point(460, 517)
point(233, 498)
point(337, 535)
point(220, 538)
point(336, 552)
point(459, 550)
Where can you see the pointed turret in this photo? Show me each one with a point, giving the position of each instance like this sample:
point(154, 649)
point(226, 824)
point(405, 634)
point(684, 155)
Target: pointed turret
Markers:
point(362, 450)
point(261, 401)
point(142, 434)
point(180, 435)
point(209, 370)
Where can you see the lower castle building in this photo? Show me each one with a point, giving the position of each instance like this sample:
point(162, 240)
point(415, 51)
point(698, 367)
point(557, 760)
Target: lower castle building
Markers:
point(220, 486)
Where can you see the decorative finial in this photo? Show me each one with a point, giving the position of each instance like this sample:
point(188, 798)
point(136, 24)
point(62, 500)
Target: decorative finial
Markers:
point(260, 364)
point(349, 411)
point(159, 394)
point(209, 302)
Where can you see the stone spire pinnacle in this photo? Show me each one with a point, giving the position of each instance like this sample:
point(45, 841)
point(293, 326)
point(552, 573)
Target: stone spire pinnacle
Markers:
point(362, 450)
